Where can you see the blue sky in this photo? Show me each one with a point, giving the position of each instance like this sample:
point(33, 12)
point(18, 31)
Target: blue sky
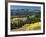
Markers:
point(32, 8)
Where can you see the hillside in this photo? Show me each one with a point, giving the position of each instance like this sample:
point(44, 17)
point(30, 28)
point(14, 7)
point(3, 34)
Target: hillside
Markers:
point(26, 27)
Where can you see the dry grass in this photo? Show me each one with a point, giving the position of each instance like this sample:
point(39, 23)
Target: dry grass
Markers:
point(26, 27)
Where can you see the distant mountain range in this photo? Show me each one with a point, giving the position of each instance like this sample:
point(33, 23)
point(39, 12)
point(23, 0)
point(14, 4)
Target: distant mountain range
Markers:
point(24, 12)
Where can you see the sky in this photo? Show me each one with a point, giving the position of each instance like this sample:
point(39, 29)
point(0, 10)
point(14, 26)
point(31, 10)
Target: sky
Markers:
point(32, 8)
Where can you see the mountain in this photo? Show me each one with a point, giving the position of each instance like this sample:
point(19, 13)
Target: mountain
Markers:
point(22, 12)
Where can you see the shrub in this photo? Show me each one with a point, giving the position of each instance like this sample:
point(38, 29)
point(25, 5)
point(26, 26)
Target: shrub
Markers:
point(17, 24)
point(32, 20)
